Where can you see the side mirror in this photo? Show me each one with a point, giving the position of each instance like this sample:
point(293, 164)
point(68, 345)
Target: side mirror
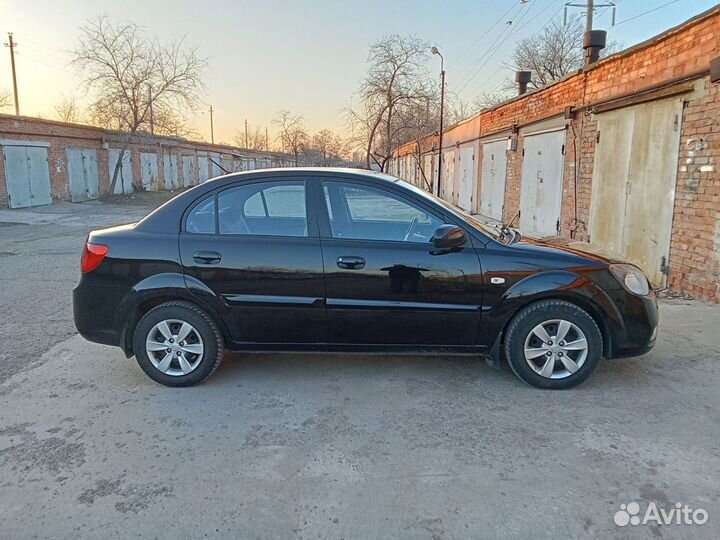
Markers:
point(448, 236)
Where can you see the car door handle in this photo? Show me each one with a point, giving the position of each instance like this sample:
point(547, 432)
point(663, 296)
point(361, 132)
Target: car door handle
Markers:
point(207, 257)
point(351, 263)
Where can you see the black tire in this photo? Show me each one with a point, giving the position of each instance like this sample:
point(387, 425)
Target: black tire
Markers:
point(202, 323)
point(520, 328)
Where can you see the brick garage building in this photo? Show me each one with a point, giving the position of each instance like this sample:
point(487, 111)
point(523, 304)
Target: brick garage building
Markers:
point(623, 153)
point(46, 161)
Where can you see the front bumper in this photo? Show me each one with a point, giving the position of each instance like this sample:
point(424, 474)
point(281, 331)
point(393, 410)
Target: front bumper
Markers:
point(637, 325)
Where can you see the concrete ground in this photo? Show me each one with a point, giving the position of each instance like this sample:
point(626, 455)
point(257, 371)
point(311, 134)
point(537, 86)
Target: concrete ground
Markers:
point(332, 446)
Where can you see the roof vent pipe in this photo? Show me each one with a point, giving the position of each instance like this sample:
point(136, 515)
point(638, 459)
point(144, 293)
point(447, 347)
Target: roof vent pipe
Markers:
point(593, 42)
point(522, 78)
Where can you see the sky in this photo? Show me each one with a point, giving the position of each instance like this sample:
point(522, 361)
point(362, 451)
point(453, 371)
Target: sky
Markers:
point(305, 56)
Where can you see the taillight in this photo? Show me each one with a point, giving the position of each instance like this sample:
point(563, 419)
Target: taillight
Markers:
point(92, 256)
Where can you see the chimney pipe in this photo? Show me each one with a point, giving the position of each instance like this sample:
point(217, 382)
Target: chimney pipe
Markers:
point(593, 42)
point(522, 78)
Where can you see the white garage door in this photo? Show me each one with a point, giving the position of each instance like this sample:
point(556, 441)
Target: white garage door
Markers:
point(149, 170)
point(82, 174)
point(170, 171)
point(492, 190)
point(466, 181)
point(447, 180)
point(541, 188)
point(28, 175)
point(190, 171)
point(634, 179)
point(203, 168)
point(124, 182)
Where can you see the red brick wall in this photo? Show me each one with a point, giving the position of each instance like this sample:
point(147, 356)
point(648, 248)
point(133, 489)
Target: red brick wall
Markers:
point(695, 243)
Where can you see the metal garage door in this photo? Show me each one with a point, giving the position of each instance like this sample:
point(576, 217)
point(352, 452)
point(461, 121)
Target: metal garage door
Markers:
point(124, 183)
point(189, 164)
point(170, 171)
point(215, 169)
point(492, 190)
point(634, 178)
point(82, 174)
point(148, 170)
point(203, 168)
point(28, 175)
point(448, 176)
point(541, 189)
point(430, 173)
point(466, 181)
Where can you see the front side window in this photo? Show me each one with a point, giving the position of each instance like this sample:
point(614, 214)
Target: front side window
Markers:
point(264, 208)
point(366, 213)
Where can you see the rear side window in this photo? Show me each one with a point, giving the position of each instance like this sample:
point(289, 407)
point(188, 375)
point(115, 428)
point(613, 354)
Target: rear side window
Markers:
point(264, 208)
point(201, 219)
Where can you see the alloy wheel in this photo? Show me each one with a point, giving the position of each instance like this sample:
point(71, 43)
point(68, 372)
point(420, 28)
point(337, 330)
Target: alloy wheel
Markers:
point(174, 347)
point(556, 349)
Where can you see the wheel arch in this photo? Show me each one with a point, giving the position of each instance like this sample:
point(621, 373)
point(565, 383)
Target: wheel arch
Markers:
point(585, 303)
point(145, 297)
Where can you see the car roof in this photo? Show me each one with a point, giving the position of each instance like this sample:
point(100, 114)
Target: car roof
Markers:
point(307, 171)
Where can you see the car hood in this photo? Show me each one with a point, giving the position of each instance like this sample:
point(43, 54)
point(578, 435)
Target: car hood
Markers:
point(559, 245)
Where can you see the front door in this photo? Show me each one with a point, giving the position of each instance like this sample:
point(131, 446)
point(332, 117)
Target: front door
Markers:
point(385, 283)
point(252, 250)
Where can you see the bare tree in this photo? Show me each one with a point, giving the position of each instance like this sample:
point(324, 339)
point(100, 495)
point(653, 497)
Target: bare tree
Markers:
point(133, 77)
point(68, 111)
point(255, 139)
point(490, 100)
point(397, 82)
point(6, 100)
point(292, 135)
point(330, 148)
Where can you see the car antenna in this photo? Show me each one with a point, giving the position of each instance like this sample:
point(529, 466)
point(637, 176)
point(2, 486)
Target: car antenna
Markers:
point(506, 228)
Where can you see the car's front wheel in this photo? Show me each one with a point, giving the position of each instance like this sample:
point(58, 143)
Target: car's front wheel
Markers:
point(553, 344)
point(178, 344)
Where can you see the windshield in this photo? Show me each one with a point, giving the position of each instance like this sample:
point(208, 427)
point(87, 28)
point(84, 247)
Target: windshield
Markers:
point(487, 229)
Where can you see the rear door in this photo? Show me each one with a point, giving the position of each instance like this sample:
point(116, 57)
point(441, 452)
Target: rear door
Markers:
point(253, 248)
point(385, 282)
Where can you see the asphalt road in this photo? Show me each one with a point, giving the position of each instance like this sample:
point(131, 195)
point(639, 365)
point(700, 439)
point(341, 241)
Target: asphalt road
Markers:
point(332, 446)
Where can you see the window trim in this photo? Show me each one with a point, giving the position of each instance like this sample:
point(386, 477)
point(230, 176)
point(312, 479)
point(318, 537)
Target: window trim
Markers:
point(326, 230)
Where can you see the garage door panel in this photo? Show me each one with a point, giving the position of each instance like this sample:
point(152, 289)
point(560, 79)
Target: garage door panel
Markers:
point(148, 170)
point(82, 174)
point(466, 177)
point(610, 171)
point(124, 182)
point(541, 186)
point(492, 182)
point(16, 175)
point(170, 171)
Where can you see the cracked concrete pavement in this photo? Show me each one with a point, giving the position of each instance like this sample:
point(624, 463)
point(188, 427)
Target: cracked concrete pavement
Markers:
point(332, 446)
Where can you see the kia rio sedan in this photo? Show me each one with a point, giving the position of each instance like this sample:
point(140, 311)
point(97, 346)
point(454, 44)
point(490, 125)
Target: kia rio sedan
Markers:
point(347, 260)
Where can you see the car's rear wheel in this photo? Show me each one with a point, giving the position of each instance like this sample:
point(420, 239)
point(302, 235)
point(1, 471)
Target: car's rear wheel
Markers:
point(553, 344)
point(178, 344)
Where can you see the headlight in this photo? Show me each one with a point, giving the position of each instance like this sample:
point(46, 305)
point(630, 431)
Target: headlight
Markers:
point(631, 278)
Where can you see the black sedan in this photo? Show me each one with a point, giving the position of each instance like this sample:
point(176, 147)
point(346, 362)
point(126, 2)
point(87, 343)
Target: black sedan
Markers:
point(345, 260)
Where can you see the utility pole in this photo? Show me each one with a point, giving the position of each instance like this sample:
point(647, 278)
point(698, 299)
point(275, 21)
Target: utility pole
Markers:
point(246, 134)
point(590, 6)
point(267, 141)
point(12, 46)
point(212, 129)
point(152, 117)
point(589, 15)
point(435, 50)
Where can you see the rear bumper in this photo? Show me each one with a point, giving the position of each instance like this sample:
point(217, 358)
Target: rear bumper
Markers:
point(94, 315)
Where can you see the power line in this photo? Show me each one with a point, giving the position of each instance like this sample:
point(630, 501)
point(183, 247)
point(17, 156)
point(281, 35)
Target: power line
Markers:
point(462, 74)
point(502, 17)
point(491, 52)
point(646, 12)
point(550, 19)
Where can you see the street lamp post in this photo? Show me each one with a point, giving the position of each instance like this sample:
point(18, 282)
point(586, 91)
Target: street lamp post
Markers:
point(442, 113)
